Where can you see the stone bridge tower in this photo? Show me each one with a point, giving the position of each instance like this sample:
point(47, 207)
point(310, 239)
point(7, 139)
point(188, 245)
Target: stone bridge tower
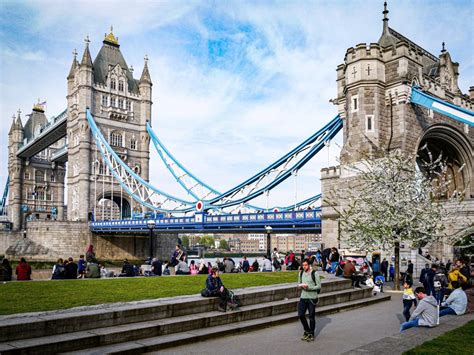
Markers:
point(121, 106)
point(373, 92)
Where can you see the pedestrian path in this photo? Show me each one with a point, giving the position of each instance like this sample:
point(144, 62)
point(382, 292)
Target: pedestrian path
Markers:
point(335, 334)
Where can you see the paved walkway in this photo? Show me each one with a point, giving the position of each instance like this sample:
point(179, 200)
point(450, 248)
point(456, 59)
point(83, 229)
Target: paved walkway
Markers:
point(335, 334)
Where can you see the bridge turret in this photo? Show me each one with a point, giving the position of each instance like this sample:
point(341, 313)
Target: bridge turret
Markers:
point(145, 85)
point(15, 172)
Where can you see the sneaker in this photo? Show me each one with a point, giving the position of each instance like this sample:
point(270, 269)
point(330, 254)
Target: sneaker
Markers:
point(310, 338)
point(305, 336)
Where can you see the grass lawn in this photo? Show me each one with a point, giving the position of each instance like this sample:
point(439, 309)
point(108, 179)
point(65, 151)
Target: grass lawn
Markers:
point(34, 296)
point(459, 341)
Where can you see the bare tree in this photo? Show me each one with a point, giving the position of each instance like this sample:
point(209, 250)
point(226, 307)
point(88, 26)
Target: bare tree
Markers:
point(392, 199)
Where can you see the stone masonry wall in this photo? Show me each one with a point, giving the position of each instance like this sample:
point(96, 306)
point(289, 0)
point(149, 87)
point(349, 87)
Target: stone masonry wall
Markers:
point(50, 240)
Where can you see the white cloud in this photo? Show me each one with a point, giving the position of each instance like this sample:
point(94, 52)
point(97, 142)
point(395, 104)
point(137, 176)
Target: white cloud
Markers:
point(230, 115)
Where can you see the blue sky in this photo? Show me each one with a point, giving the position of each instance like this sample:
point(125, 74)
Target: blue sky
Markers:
point(236, 83)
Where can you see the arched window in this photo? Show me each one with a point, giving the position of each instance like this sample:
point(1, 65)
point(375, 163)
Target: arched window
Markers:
point(104, 100)
point(120, 85)
point(116, 138)
point(129, 105)
point(133, 144)
point(113, 101)
point(113, 84)
point(120, 103)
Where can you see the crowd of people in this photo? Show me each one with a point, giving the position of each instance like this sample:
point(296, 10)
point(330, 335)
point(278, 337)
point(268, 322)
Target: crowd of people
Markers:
point(447, 290)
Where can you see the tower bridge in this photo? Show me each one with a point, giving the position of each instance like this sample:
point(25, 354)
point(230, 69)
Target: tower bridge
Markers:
point(391, 93)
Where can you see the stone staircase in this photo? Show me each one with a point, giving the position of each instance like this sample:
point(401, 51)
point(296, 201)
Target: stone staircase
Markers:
point(138, 327)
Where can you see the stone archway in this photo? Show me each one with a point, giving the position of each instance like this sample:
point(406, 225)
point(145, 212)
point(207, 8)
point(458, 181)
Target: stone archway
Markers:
point(446, 141)
point(113, 206)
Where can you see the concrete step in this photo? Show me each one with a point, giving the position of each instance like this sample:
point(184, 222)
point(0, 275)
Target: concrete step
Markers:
point(198, 334)
point(159, 327)
point(43, 324)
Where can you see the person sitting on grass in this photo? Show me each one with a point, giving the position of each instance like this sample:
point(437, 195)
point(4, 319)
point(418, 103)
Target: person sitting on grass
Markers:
point(425, 314)
point(59, 270)
point(266, 265)
point(92, 271)
point(255, 266)
point(127, 269)
point(215, 288)
point(182, 268)
point(23, 270)
point(245, 266)
point(456, 303)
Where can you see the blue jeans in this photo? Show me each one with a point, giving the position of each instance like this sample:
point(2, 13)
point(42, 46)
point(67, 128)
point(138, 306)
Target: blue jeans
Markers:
point(310, 305)
point(334, 266)
point(446, 311)
point(409, 324)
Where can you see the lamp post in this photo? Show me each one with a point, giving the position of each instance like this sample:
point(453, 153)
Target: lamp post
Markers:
point(151, 225)
point(269, 249)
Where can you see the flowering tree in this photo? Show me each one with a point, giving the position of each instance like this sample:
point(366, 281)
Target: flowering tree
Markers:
point(393, 199)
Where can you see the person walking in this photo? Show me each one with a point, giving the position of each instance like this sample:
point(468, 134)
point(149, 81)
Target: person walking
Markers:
point(310, 285)
point(23, 270)
point(384, 268)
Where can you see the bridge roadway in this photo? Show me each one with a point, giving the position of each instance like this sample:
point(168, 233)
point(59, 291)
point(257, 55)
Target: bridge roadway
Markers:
point(50, 134)
point(288, 221)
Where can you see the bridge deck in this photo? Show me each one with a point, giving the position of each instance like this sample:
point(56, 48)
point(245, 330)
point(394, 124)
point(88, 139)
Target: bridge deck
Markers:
point(292, 221)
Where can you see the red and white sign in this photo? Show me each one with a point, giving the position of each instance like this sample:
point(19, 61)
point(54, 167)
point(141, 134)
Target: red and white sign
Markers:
point(199, 206)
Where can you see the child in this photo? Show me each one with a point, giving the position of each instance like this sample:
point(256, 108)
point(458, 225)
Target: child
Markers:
point(81, 267)
point(392, 272)
point(409, 300)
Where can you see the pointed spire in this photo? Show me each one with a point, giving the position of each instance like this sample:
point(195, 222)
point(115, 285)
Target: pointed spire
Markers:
point(145, 78)
point(385, 17)
point(86, 57)
point(73, 65)
point(18, 120)
point(443, 49)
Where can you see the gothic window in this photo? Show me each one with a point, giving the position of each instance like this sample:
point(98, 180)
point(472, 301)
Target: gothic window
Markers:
point(116, 139)
point(101, 169)
point(113, 84)
point(76, 139)
point(104, 100)
point(39, 176)
point(133, 144)
point(120, 103)
point(113, 101)
point(27, 175)
point(129, 105)
point(354, 103)
point(53, 178)
point(120, 85)
point(369, 123)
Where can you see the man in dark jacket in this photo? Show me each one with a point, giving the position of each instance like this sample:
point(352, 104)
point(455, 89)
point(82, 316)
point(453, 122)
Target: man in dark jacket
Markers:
point(71, 269)
point(430, 274)
point(423, 275)
point(410, 269)
point(384, 268)
point(325, 257)
point(127, 269)
point(156, 267)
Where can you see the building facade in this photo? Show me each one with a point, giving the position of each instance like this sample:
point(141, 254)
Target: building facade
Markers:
point(373, 91)
point(121, 106)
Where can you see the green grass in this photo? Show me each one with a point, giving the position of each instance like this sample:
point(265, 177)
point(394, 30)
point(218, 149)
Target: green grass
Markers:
point(34, 296)
point(459, 341)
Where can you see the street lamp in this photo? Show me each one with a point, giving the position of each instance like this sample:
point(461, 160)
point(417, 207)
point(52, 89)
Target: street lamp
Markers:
point(269, 249)
point(151, 225)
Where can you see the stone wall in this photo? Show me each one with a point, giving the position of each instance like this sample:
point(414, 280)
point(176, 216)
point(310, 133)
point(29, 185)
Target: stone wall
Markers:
point(50, 240)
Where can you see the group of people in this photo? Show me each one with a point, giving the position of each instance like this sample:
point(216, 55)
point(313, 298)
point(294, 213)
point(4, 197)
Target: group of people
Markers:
point(22, 270)
point(443, 293)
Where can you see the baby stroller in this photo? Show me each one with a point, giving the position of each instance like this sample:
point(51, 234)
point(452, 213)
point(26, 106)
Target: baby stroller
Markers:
point(379, 281)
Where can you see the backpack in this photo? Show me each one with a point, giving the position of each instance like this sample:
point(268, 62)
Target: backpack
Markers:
point(313, 276)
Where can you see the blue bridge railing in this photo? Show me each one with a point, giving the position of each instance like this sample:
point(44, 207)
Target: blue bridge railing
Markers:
point(308, 220)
